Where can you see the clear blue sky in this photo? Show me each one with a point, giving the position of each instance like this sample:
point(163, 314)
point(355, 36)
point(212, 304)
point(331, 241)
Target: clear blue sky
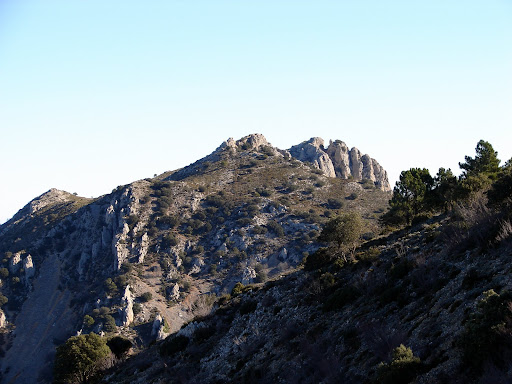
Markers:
point(94, 94)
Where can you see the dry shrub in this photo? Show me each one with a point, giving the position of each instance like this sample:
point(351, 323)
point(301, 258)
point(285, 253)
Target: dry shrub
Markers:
point(475, 225)
point(203, 306)
point(505, 231)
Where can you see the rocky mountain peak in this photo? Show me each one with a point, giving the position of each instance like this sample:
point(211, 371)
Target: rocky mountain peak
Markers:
point(253, 141)
point(337, 160)
point(48, 198)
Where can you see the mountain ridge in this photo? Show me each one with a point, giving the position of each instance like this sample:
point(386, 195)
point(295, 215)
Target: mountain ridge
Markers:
point(242, 213)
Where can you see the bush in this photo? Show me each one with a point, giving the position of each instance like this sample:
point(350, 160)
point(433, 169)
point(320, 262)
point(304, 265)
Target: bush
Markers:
point(145, 297)
point(3, 300)
point(4, 273)
point(259, 230)
point(119, 346)
point(327, 280)
point(317, 260)
point(402, 369)
point(341, 297)
point(369, 255)
point(137, 308)
point(261, 274)
point(243, 222)
point(132, 221)
point(110, 287)
point(168, 241)
point(248, 307)
point(352, 196)
point(335, 203)
point(109, 324)
point(88, 321)
point(173, 345)
point(276, 228)
point(168, 221)
point(487, 333)
point(263, 192)
point(237, 289)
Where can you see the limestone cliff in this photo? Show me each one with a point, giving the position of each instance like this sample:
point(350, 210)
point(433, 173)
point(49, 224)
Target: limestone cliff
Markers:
point(337, 160)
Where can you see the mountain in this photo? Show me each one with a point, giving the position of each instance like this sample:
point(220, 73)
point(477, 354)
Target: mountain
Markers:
point(152, 255)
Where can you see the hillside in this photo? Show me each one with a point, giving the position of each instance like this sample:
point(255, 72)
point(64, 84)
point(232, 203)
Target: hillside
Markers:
point(422, 288)
point(152, 255)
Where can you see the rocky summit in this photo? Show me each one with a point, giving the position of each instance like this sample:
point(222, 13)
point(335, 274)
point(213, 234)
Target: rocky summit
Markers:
point(151, 256)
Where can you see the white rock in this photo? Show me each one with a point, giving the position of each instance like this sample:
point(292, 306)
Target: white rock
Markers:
point(248, 275)
point(29, 268)
point(3, 320)
point(127, 311)
point(15, 263)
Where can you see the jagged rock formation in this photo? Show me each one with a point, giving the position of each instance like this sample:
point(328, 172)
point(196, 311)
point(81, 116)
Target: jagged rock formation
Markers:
point(127, 311)
point(338, 161)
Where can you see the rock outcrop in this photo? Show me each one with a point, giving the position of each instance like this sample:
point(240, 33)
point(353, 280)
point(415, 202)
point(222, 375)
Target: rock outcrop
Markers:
point(143, 248)
point(127, 311)
point(338, 161)
point(313, 151)
point(15, 263)
point(28, 266)
point(3, 320)
point(158, 330)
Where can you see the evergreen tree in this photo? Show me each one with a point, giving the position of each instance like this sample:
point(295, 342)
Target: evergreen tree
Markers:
point(80, 358)
point(411, 196)
point(345, 231)
point(446, 189)
point(485, 162)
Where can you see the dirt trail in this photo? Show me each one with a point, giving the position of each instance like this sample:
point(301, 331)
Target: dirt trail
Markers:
point(31, 355)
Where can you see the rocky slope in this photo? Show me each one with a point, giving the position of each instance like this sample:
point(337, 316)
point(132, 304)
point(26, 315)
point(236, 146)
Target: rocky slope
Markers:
point(152, 255)
point(430, 288)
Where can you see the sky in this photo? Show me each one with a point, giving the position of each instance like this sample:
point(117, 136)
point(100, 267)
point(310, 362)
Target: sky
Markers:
point(96, 94)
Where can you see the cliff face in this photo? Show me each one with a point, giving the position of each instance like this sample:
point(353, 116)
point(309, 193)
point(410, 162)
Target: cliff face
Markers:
point(337, 160)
